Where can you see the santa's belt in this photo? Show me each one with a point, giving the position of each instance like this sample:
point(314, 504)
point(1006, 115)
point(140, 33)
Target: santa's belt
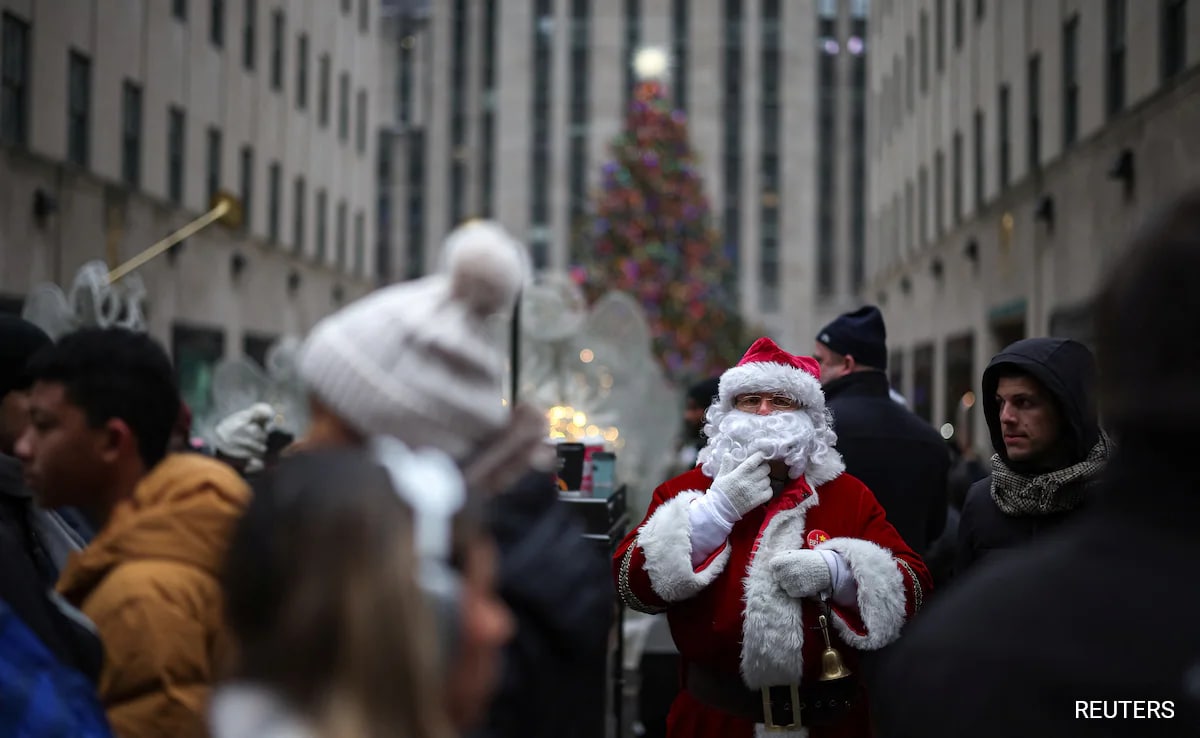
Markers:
point(783, 706)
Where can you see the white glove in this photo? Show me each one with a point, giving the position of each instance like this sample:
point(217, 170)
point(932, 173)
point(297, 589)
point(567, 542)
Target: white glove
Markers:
point(243, 435)
point(742, 487)
point(809, 573)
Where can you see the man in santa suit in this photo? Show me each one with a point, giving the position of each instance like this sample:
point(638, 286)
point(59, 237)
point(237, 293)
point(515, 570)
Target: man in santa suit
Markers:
point(757, 547)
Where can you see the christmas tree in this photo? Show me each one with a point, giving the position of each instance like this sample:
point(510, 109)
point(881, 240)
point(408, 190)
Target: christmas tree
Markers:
point(651, 235)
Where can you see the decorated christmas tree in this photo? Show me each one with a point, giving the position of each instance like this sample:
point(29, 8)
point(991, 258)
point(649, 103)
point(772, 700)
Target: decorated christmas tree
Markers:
point(652, 236)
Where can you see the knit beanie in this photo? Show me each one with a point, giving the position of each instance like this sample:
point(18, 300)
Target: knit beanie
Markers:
point(860, 334)
point(416, 361)
point(19, 340)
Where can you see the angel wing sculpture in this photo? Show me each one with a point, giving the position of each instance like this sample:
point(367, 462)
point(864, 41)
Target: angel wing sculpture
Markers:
point(240, 382)
point(91, 301)
point(596, 366)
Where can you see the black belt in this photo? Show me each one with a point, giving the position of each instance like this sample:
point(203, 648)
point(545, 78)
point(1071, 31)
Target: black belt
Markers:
point(784, 706)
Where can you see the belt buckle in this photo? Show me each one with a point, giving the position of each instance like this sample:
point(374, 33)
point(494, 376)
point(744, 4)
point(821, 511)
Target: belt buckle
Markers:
point(787, 702)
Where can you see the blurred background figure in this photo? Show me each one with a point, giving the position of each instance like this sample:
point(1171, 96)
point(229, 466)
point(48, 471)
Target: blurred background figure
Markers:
point(699, 396)
point(332, 630)
point(1018, 642)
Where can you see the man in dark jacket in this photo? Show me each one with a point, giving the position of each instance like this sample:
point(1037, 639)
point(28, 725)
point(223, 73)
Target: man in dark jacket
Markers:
point(899, 456)
point(1090, 632)
point(34, 543)
point(1041, 413)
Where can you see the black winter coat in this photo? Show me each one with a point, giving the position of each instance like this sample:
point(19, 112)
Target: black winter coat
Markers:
point(899, 456)
point(558, 586)
point(1104, 608)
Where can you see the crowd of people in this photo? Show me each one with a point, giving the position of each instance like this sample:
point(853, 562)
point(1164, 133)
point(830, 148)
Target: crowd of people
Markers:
point(402, 569)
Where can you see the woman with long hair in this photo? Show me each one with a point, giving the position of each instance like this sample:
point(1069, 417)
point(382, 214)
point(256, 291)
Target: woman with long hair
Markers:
point(334, 636)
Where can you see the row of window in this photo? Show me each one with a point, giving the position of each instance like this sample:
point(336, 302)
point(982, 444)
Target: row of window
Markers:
point(899, 89)
point(15, 103)
point(216, 23)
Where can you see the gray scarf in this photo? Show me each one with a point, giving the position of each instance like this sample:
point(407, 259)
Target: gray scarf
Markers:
point(1053, 492)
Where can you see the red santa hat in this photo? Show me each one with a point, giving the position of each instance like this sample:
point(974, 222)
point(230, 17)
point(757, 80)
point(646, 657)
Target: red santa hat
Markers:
point(768, 368)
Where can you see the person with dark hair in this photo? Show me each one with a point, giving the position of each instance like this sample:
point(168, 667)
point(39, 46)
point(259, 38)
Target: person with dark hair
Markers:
point(323, 602)
point(898, 455)
point(1038, 401)
point(699, 397)
point(1090, 631)
point(34, 543)
point(103, 405)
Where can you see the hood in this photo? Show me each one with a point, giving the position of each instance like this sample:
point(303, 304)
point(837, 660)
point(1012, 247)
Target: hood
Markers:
point(1064, 367)
point(184, 511)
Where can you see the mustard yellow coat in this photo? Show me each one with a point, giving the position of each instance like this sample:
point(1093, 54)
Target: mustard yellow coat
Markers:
point(149, 581)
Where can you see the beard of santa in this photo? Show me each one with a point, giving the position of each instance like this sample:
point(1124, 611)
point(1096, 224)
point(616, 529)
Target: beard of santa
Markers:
point(801, 439)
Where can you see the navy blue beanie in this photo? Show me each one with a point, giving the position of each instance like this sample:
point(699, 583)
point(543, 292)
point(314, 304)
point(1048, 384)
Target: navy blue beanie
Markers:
point(860, 334)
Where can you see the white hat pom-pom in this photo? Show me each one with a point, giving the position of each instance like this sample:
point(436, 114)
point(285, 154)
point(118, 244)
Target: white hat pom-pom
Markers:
point(487, 266)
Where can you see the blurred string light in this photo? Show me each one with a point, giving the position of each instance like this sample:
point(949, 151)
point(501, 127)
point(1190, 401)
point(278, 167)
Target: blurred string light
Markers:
point(968, 399)
point(569, 424)
point(947, 431)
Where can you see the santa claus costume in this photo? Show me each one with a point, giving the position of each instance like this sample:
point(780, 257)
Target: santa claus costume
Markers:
point(747, 573)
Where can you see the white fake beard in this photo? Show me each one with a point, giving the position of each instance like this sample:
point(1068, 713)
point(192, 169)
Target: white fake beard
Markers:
point(794, 437)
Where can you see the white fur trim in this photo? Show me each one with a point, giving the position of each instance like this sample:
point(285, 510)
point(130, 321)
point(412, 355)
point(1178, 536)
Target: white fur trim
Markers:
point(773, 626)
point(881, 596)
point(666, 540)
point(760, 731)
point(763, 376)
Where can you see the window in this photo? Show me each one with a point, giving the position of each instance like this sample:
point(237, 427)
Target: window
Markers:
point(277, 31)
point(1070, 81)
point(79, 103)
point(299, 193)
point(213, 170)
point(1033, 87)
point(910, 76)
point(922, 392)
point(923, 205)
point(679, 51)
point(324, 71)
point(246, 188)
point(14, 81)
point(487, 134)
point(771, 83)
point(347, 6)
point(956, 164)
point(540, 146)
point(1114, 90)
point(980, 182)
point(360, 243)
point(360, 115)
point(731, 123)
point(176, 152)
point(344, 106)
point(255, 347)
point(322, 224)
point(980, 6)
point(939, 35)
point(460, 24)
point(633, 41)
point(274, 192)
point(340, 243)
point(415, 186)
point(196, 353)
point(250, 35)
point(580, 99)
point(923, 42)
point(1003, 151)
point(1173, 31)
point(959, 23)
point(179, 9)
point(131, 134)
point(364, 15)
point(939, 192)
point(216, 23)
point(910, 217)
point(302, 72)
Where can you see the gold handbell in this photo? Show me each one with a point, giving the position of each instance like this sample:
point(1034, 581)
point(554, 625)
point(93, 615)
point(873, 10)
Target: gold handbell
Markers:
point(832, 666)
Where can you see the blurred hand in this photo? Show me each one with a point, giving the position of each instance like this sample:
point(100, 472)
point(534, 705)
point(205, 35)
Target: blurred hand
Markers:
point(242, 436)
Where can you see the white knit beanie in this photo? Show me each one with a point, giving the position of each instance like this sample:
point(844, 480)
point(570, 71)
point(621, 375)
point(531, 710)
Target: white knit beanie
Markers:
point(416, 360)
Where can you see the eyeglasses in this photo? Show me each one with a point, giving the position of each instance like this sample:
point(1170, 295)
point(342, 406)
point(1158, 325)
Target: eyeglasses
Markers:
point(751, 403)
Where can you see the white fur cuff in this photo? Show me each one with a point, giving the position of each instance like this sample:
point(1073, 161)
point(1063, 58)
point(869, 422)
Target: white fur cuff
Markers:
point(666, 541)
point(881, 596)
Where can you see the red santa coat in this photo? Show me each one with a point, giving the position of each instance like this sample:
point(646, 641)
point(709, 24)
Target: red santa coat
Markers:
point(730, 616)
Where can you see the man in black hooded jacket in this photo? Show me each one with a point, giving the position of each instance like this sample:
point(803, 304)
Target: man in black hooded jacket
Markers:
point(1039, 403)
